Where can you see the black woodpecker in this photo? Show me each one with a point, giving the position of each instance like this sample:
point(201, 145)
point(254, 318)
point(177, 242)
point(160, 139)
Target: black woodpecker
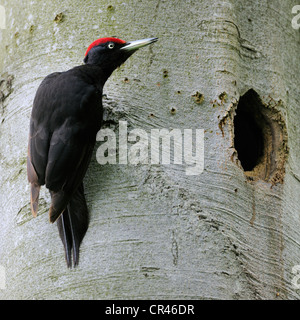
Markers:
point(66, 116)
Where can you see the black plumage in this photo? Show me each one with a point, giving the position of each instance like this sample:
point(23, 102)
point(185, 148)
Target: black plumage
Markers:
point(66, 116)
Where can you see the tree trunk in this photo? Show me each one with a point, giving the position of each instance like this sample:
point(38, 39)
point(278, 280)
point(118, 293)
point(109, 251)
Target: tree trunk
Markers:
point(155, 231)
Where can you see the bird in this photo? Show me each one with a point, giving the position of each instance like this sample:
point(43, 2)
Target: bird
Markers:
point(66, 115)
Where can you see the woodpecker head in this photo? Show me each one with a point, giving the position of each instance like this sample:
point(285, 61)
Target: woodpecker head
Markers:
point(110, 53)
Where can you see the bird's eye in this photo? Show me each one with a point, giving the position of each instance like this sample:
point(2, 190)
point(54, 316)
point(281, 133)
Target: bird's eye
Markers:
point(111, 45)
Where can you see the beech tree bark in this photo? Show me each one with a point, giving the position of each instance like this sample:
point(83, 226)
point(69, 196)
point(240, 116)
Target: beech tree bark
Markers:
point(155, 232)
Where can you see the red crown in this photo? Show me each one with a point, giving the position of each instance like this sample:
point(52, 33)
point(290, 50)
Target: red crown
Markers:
point(103, 40)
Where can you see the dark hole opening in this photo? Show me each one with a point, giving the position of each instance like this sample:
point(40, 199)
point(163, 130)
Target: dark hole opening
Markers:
point(248, 133)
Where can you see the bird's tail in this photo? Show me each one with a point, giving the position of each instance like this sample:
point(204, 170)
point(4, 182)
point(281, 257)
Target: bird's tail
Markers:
point(72, 225)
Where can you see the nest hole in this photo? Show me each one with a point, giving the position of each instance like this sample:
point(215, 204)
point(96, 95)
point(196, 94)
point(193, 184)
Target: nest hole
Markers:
point(249, 134)
point(260, 139)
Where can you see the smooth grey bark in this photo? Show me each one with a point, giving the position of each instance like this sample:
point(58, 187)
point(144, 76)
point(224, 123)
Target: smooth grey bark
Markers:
point(154, 231)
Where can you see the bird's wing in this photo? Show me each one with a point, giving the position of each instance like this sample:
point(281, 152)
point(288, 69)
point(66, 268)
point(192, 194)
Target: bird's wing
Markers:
point(70, 150)
point(38, 145)
point(65, 118)
point(39, 132)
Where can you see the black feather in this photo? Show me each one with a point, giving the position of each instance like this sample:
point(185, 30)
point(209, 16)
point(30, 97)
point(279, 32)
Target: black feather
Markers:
point(66, 116)
point(72, 225)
